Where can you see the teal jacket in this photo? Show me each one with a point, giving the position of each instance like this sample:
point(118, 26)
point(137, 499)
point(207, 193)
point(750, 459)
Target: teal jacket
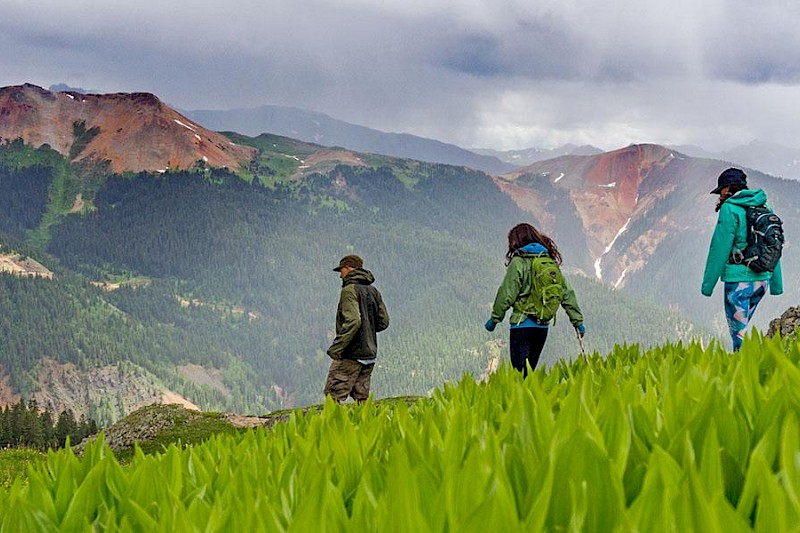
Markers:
point(517, 285)
point(730, 234)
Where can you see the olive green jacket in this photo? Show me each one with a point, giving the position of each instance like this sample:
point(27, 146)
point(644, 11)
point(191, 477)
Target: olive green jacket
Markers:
point(360, 316)
point(517, 286)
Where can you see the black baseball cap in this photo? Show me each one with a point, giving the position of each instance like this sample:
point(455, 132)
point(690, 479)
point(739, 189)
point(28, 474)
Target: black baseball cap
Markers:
point(732, 176)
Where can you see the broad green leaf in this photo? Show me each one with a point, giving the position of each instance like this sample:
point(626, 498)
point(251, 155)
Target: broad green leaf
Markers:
point(583, 467)
point(761, 458)
point(654, 508)
point(711, 465)
point(84, 504)
point(616, 430)
point(790, 460)
point(22, 515)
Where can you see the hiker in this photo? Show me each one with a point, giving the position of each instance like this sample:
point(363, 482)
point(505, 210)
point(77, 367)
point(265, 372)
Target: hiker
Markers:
point(360, 316)
point(744, 287)
point(531, 254)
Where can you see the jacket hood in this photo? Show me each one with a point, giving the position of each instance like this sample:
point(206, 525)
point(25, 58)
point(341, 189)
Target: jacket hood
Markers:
point(748, 198)
point(359, 276)
point(534, 248)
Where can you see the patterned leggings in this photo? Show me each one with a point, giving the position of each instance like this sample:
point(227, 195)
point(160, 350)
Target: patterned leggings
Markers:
point(741, 300)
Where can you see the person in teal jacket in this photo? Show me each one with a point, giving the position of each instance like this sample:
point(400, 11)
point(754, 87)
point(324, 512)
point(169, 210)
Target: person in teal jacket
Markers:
point(744, 288)
point(528, 333)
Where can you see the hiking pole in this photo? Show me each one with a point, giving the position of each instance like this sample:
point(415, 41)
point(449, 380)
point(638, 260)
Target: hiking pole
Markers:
point(580, 342)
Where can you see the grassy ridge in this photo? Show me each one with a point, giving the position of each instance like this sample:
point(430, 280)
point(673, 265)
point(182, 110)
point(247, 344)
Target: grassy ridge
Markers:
point(679, 438)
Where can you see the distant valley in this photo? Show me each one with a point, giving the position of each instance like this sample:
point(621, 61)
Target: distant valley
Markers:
point(210, 280)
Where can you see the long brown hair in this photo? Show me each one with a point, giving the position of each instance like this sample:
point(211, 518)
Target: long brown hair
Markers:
point(732, 189)
point(525, 234)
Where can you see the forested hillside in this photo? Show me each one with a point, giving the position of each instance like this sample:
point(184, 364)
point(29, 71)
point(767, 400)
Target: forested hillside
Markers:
point(233, 275)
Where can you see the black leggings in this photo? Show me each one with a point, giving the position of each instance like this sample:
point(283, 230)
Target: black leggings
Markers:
point(527, 345)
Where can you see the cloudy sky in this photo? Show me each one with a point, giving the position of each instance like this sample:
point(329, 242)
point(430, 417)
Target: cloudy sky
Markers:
point(503, 74)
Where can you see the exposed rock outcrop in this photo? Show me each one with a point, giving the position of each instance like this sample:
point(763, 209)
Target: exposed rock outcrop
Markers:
point(106, 392)
point(786, 323)
point(23, 266)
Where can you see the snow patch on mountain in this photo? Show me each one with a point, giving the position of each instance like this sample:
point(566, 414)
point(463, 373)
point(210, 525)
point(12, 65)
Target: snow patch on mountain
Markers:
point(621, 277)
point(184, 125)
point(597, 268)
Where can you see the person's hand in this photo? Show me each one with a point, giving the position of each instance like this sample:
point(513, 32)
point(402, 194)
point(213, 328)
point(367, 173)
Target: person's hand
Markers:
point(707, 292)
point(581, 329)
point(490, 325)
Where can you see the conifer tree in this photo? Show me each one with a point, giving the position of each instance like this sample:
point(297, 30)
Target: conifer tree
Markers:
point(65, 427)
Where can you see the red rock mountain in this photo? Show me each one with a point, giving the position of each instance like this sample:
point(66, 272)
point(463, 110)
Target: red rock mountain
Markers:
point(618, 207)
point(132, 131)
point(641, 218)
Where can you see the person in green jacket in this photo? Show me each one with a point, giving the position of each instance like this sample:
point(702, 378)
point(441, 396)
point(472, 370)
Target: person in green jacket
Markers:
point(744, 288)
point(361, 314)
point(528, 333)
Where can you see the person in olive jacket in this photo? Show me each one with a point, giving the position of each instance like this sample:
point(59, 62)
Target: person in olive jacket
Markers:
point(744, 288)
point(360, 316)
point(528, 333)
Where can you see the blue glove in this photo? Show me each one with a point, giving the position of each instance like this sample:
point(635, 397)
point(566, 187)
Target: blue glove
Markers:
point(581, 329)
point(490, 325)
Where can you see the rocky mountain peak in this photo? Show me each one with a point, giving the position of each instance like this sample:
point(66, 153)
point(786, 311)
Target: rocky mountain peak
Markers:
point(605, 189)
point(130, 131)
point(605, 195)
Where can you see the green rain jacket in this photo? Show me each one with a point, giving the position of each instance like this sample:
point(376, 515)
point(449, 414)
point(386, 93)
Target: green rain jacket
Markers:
point(730, 234)
point(517, 285)
point(360, 316)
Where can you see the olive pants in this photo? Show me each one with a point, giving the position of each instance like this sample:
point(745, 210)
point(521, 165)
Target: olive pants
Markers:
point(348, 378)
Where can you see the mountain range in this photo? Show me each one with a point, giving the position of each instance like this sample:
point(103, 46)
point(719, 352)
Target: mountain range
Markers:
point(771, 158)
point(211, 281)
point(319, 128)
point(529, 156)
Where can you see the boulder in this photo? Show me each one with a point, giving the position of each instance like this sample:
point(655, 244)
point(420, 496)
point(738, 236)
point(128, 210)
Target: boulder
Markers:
point(786, 324)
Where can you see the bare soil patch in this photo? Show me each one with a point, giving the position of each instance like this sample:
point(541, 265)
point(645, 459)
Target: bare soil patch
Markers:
point(200, 375)
point(23, 266)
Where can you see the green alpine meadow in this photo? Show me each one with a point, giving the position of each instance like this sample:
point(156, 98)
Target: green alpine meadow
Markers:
point(681, 437)
point(181, 289)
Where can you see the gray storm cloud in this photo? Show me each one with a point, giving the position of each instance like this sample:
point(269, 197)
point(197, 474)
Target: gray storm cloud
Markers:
point(504, 74)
